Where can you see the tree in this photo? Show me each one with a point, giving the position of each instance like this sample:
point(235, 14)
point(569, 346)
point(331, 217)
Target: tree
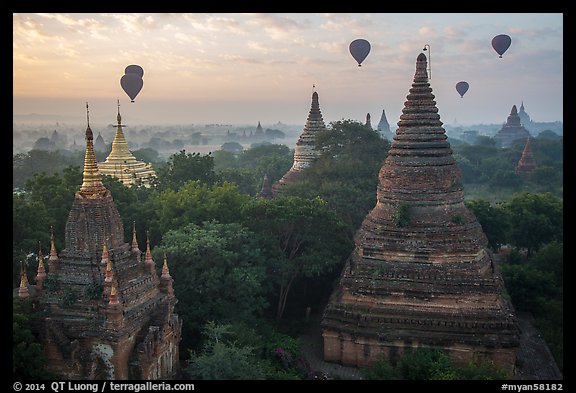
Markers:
point(346, 173)
point(146, 154)
point(536, 219)
point(223, 359)
point(28, 360)
point(182, 167)
point(309, 239)
point(493, 219)
point(232, 147)
point(219, 272)
point(193, 202)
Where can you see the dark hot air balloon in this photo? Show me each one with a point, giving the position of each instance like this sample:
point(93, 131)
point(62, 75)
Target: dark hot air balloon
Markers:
point(132, 84)
point(501, 43)
point(134, 69)
point(462, 88)
point(359, 49)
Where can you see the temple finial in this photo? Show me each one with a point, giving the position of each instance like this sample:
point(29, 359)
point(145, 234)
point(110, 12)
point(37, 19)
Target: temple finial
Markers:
point(109, 274)
point(134, 240)
point(165, 271)
point(113, 299)
point(92, 186)
point(148, 257)
point(23, 290)
point(41, 275)
point(53, 258)
point(87, 115)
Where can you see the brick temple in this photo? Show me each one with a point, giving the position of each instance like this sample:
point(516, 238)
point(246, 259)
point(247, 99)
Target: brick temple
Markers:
point(305, 152)
point(420, 274)
point(512, 131)
point(105, 312)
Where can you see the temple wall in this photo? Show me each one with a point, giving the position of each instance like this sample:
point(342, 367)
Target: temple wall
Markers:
point(362, 352)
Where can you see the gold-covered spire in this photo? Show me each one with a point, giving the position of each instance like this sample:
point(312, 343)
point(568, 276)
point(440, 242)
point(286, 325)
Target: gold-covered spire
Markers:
point(165, 271)
point(113, 294)
point(53, 254)
point(105, 256)
point(23, 290)
point(41, 275)
point(120, 152)
point(109, 274)
point(92, 186)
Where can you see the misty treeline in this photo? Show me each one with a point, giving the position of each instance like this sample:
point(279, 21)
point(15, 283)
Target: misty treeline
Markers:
point(256, 272)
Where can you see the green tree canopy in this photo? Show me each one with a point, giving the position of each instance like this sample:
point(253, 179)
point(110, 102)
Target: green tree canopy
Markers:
point(309, 239)
point(182, 167)
point(219, 272)
point(537, 219)
point(493, 219)
point(28, 360)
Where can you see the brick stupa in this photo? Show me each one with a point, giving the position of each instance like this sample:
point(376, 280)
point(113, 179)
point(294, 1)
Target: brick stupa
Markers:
point(420, 274)
point(105, 313)
point(526, 164)
point(305, 152)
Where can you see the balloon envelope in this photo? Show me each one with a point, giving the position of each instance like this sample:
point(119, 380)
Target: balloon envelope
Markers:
point(359, 49)
point(501, 43)
point(134, 69)
point(132, 84)
point(462, 88)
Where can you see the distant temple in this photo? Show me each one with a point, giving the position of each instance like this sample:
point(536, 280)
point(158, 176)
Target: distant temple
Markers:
point(524, 117)
point(384, 128)
point(305, 152)
point(368, 124)
point(105, 313)
point(266, 191)
point(99, 144)
point(513, 131)
point(259, 131)
point(122, 164)
point(526, 164)
point(421, 275)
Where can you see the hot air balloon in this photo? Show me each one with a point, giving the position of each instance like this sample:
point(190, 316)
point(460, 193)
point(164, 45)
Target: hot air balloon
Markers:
point(359, 49)
point(462, 88)
point(501, 43)
point(132, 84)
point(134, 69)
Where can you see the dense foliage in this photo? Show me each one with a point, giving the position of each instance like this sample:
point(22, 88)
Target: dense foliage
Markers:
point(430, 364)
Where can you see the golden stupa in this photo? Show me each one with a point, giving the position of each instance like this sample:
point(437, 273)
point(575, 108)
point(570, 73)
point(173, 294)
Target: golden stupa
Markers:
point(122, 164)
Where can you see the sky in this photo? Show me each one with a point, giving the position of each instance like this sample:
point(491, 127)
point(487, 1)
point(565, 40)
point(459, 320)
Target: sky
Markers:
point(235, 68)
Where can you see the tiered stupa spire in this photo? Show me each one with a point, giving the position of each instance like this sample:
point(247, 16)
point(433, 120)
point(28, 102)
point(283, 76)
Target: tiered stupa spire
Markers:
point(420, 274)
point(526, 164)
point(92, 186)
point(122, 164)
point(305, 152)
